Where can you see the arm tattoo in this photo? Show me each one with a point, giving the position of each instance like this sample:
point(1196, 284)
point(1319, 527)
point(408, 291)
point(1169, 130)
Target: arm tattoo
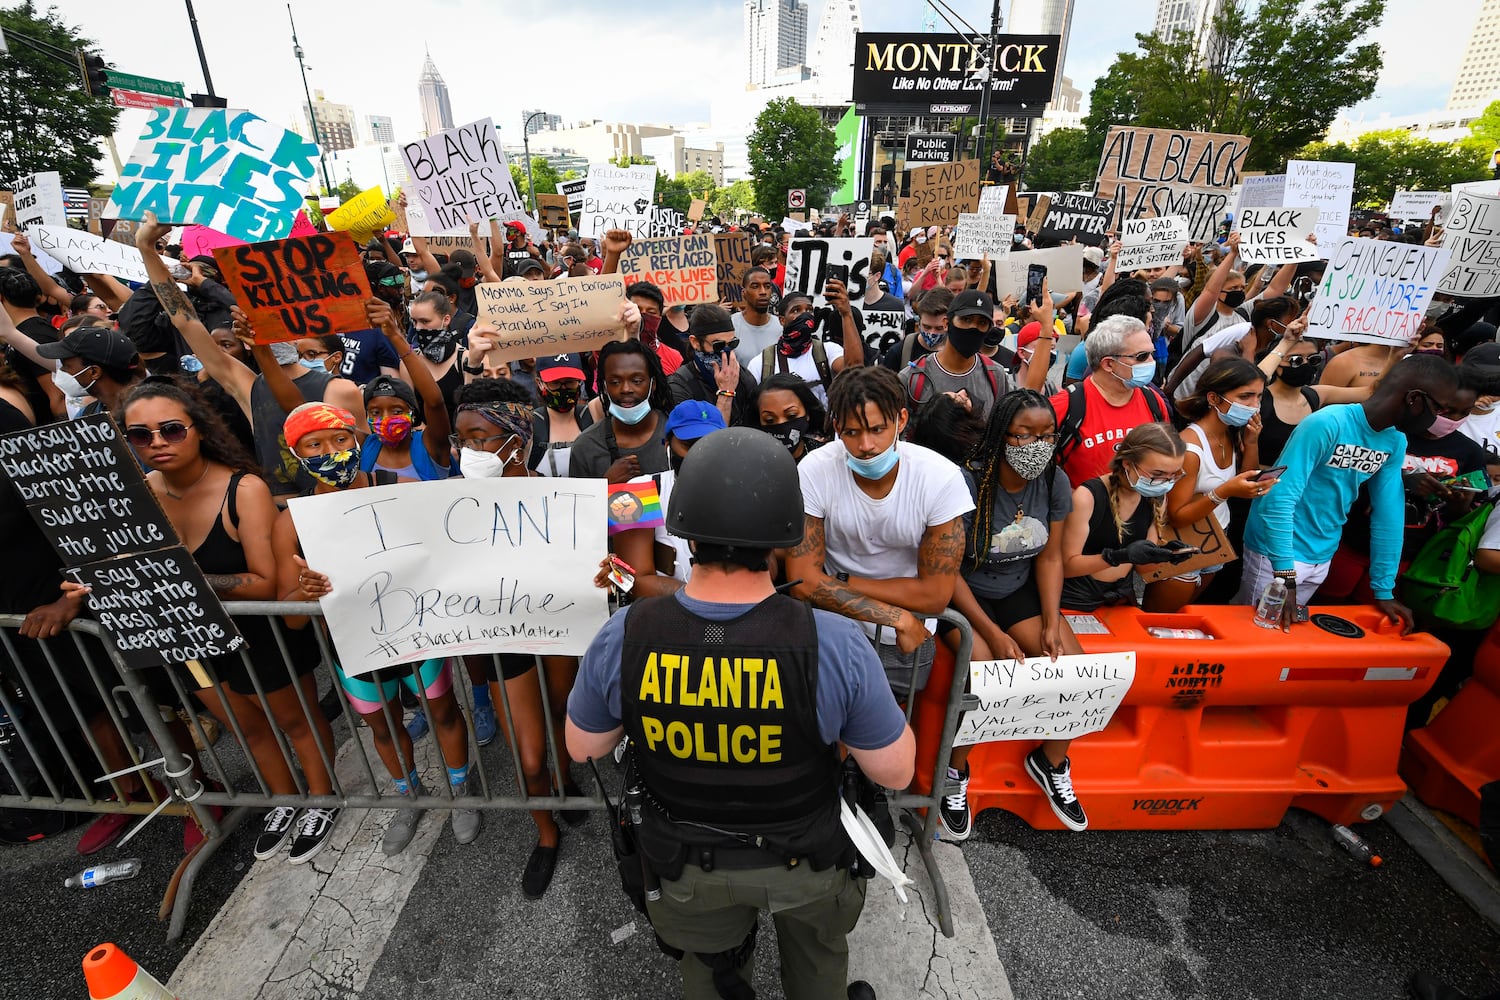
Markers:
point(172, 300)
point(813, 542)
point(838, 597)
point(225, 584)
point(942, 549)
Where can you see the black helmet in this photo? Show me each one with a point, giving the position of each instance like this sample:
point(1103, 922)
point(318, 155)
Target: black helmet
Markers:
point(737, 487)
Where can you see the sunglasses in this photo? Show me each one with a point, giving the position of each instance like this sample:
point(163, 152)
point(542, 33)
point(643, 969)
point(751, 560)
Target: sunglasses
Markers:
point(1298, 360)
point(171, 431)
point(1136, 359)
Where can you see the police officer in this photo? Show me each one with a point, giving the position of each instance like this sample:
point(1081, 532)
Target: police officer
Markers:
point(735, 698)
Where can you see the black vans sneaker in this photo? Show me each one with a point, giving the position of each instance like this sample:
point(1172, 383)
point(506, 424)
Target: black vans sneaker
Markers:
point(954, 814)
point(314, 828)
point(1057, 782)
point(276, 832)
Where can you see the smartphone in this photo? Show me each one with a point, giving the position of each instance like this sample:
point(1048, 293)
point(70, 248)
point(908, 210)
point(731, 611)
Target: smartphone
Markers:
point(1035, 275)
point(1269, 474)
point(837, 272)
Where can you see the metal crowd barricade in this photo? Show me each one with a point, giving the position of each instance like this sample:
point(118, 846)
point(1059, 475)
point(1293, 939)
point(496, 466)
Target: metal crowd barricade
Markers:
point(75, 785)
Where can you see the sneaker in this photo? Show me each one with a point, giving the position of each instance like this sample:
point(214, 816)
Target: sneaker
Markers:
point(403, 827)
point(1057, 782)
point(954, 814)
point(484, 724)
point(314, 828)
point(103, 832)
point(573, 817)
point(275, 833)
point(465, 821)
point(861, 990)
point(416, 726)
point(538, 873)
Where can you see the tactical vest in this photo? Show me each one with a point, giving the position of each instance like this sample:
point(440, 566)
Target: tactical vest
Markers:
point(723, 721)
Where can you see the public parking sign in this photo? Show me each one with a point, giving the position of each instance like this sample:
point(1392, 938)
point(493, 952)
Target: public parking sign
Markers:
point(796, 198)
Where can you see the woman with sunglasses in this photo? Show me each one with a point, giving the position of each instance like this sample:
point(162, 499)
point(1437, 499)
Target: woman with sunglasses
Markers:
point(223, 513)
point(402, 448)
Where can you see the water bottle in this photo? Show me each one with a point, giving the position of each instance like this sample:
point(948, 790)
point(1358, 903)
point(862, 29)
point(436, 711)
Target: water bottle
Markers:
point(115, 871)
point(1355, 845)
point(1162, 632)
point(1272, 600)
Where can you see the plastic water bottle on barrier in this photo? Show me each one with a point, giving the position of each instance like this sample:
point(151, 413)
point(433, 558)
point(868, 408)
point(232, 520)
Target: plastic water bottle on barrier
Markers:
point(115, 871)
point(1272, 600)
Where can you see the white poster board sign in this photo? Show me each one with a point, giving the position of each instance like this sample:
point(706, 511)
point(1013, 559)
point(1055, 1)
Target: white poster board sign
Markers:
point(1260, 192)
point(1328, 187)
point(434, 569)
point(39, 200)
point(1374, 291)
point(808, 261)
point(1064, 266)
point(1472, 239)
point(1417, 206)
point(84, 253)
point(617, 198)
point(460, 176)
point(1042, 699)
point(1155, 242)
point(992, 199)
point(49, 263)
point(979, 234)
point(1490, 189)
point(1276, 236)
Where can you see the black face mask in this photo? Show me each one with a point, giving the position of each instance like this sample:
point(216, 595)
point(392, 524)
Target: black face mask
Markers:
point(966, 342)
point(1235, 298)
point(674, 461)
point(790, 432)
point(1417, 423)
point(435, 345)
point(1300, 376)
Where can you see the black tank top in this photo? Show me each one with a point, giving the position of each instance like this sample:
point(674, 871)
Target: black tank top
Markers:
point(218, 553)
point(1274, 432)
point(1084, 593)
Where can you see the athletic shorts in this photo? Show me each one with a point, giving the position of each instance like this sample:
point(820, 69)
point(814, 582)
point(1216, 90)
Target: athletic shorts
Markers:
point(1021, 604)
point(512, 665)
point(369, 691)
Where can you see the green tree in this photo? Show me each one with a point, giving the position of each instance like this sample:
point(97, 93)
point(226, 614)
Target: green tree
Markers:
point(47, 121)
point(1485, 131)
point(346, 189)
point(790, 147)
point(1392, 160)
point(633, 161)
point(732, 201)
point(544, 175)
point(1061, 161)
point(1278, 73)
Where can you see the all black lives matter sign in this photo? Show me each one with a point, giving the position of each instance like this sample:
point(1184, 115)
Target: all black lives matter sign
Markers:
point(918, 69)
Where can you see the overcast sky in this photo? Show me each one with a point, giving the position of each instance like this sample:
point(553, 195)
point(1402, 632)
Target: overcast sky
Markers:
point(657, 62)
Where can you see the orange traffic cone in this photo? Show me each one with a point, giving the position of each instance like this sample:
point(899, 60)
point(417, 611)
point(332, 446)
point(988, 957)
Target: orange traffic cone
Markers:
point(113, 975)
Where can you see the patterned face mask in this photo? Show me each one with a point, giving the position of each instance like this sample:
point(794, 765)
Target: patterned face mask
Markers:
point(337, 470)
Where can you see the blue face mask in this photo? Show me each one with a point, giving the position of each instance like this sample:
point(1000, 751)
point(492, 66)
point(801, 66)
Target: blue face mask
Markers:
point(630, 414)
point(419, 276)
point(874, 468)
point(1238, 415)
point(1150, 488)
point(1140, 375)
point(311, 364)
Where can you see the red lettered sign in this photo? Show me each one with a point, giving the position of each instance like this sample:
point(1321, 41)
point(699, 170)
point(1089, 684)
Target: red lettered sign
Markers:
point(306, 286)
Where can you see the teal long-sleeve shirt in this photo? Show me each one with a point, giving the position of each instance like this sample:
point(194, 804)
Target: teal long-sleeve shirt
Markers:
point(1329, 456)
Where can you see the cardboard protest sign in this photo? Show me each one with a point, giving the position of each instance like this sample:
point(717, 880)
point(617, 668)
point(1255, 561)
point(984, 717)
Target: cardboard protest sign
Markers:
point(538, 318)
point(696, 210)
point(459, 176)
point(683, 267)
point(1264, 191)
point(1328, 187)
point(884, 328)
point(733, 253)
point(1204, 535)
point(8, 220)
point(84, 489)
point(1472, 239)
point(553, 209)
point(943, 191)
point(808, 260)
point(979, 234)
point(618, 198)
point(306, 286)
point(1151, 172)
point(1078, 217)
point(230, 170)
point(992, 199)
point(1276, 236)
point(1375, 292)
point(1064, 266)
point(458, 566)
point(362, 216)
point(84, 253)
point(1417, 206)
point(38, 200)
point(1036, 212)
point(1043, 699)
point(1152, 242)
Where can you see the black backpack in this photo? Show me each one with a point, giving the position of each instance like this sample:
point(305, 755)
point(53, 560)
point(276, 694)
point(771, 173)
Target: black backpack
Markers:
point(1067, 432)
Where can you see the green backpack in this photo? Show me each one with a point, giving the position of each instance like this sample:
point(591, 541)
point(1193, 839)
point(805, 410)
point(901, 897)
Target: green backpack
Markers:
point(1443, 586)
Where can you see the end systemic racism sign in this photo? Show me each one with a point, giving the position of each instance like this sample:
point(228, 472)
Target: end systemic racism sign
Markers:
point(919, 69)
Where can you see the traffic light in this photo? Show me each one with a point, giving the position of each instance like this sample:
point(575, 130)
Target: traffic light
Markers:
point(95, 74)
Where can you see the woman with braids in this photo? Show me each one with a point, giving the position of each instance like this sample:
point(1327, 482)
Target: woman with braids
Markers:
point(631, 439)
point(224, 514)
point(1011, 589)
point(786, 408)
point(1221, 441)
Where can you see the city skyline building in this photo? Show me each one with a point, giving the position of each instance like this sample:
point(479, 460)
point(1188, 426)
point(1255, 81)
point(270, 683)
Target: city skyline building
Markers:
point(1193, 18)
point(833, 48)
point(1044, 17)
point(542, 122)
point(334, 127)
point(1478, 77)
point(432, 92)
point(775, 41)
point(382, 128)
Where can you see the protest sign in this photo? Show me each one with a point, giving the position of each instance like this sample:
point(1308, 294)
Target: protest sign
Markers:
point(1152, 242)
point(992, 199)
point(459, 176)
point(808, 260)
point(362, 216)
point(884, 329)
point(552, 317)
point(1417, 206)
point(683, 267)
point(1151, 172)
point(96, 215)
point(1205, 535)
point(38, 200)
point(941, 192)
point(732, 251)
point(1375, 292)
point(617, 198)
point(459, 566)
point(573, 191)
point(980, 234)
point(8, 220)
point(200, 240)
point(696, 210)
point(84, 253)
point(1328, 187)
point(1490, 189)
point(1064, 266)
point(1264, 191)
point(1078, 217)
point(1036, 212)
point(230, 170)
point(553, 209)
point(1276, 236)
point(1043, 699)
point(667, 221)
point(49, 263)
point(1472, 238)
point(306, 286)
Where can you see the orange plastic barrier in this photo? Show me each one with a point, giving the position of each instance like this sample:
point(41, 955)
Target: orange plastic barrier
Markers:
point(1458, 751)
point(1226, 733)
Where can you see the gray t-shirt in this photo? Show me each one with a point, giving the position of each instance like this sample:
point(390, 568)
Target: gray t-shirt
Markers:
point(931, 380)
point(753, 339)
point(1018, 532)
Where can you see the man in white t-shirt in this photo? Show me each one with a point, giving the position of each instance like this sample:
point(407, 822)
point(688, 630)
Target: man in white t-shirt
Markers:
point(754, 326)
